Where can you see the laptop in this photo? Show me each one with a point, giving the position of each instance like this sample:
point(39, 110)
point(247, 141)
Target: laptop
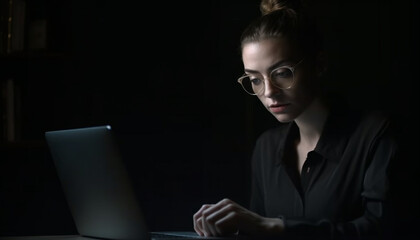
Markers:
point(97, 187)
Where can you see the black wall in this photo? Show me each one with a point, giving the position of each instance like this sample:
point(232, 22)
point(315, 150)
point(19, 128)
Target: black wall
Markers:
point(163, 74)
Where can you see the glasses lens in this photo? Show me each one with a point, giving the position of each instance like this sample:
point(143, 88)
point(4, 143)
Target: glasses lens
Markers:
point(282, 77)
point(252, 85)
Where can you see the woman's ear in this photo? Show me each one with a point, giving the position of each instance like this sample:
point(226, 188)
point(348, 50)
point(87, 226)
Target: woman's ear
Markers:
point(321, 63)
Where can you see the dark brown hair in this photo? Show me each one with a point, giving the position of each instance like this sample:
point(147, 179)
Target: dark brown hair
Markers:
point(290, 19)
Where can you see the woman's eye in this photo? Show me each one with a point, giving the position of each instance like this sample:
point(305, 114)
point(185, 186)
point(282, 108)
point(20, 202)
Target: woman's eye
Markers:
point(282, 73)
point(255, 81)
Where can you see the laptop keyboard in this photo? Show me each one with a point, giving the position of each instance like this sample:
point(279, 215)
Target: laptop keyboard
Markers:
point(168, 236)
point(162, 236)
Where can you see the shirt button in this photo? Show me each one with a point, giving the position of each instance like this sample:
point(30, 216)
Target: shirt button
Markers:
point(308, 169)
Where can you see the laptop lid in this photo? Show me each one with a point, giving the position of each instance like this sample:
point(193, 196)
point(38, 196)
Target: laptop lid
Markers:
point(96, 184)
point(98, 190)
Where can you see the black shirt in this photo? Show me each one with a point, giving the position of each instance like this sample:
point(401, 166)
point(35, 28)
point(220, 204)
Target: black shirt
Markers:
point(343, 189)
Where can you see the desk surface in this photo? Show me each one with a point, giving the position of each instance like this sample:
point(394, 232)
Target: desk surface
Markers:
point(55, 237)
point(77, 237)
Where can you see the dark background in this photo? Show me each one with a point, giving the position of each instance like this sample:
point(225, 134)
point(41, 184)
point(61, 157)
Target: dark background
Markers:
point(163, 74)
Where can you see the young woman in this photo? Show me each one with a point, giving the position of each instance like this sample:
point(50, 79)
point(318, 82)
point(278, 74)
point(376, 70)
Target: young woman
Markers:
point(323, 172)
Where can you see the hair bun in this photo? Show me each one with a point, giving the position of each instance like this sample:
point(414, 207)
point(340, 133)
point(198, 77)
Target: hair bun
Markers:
point(268, 6)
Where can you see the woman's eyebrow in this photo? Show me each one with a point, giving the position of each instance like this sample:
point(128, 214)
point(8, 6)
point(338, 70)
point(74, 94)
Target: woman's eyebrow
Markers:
point(272, 67)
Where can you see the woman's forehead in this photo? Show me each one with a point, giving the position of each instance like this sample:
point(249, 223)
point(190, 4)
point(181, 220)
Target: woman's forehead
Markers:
point(262, 54)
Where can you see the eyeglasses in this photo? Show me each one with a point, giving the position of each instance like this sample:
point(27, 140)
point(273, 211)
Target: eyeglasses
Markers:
point(282, 77)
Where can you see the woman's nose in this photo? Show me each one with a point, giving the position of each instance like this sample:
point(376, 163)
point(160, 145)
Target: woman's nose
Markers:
point(269, 88)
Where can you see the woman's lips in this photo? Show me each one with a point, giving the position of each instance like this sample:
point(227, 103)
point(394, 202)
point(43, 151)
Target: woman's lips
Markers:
point(278, 108)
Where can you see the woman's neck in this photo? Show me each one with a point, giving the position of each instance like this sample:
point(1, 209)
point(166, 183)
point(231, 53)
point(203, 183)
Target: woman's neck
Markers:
point(311, 123)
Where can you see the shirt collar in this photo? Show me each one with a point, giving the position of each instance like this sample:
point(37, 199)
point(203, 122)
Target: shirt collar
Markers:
point(290, 134)
point(334, 136)
point(333, 139)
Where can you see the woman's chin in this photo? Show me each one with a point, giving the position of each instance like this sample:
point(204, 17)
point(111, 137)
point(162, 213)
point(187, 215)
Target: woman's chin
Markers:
point(284, 118)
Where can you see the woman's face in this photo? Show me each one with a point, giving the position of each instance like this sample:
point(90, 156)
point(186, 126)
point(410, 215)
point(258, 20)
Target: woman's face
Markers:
point(262, 57)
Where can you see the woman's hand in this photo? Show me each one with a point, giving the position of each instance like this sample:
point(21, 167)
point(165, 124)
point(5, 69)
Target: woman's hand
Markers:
point(227, 218)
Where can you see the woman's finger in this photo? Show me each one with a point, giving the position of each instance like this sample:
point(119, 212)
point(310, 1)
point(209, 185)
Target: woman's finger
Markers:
point(198, 220)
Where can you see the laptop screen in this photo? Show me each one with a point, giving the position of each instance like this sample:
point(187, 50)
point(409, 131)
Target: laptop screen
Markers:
point(95, 182)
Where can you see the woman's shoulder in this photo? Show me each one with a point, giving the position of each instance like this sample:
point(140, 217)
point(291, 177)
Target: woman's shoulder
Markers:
point(372, 121)
point(375, 118)
point(368, 125)
point(364, 119)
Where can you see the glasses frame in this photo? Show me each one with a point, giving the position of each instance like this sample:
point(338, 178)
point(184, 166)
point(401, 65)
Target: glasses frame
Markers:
point(291, 68)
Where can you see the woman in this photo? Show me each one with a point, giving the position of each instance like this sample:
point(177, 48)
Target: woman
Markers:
point(324, 170)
